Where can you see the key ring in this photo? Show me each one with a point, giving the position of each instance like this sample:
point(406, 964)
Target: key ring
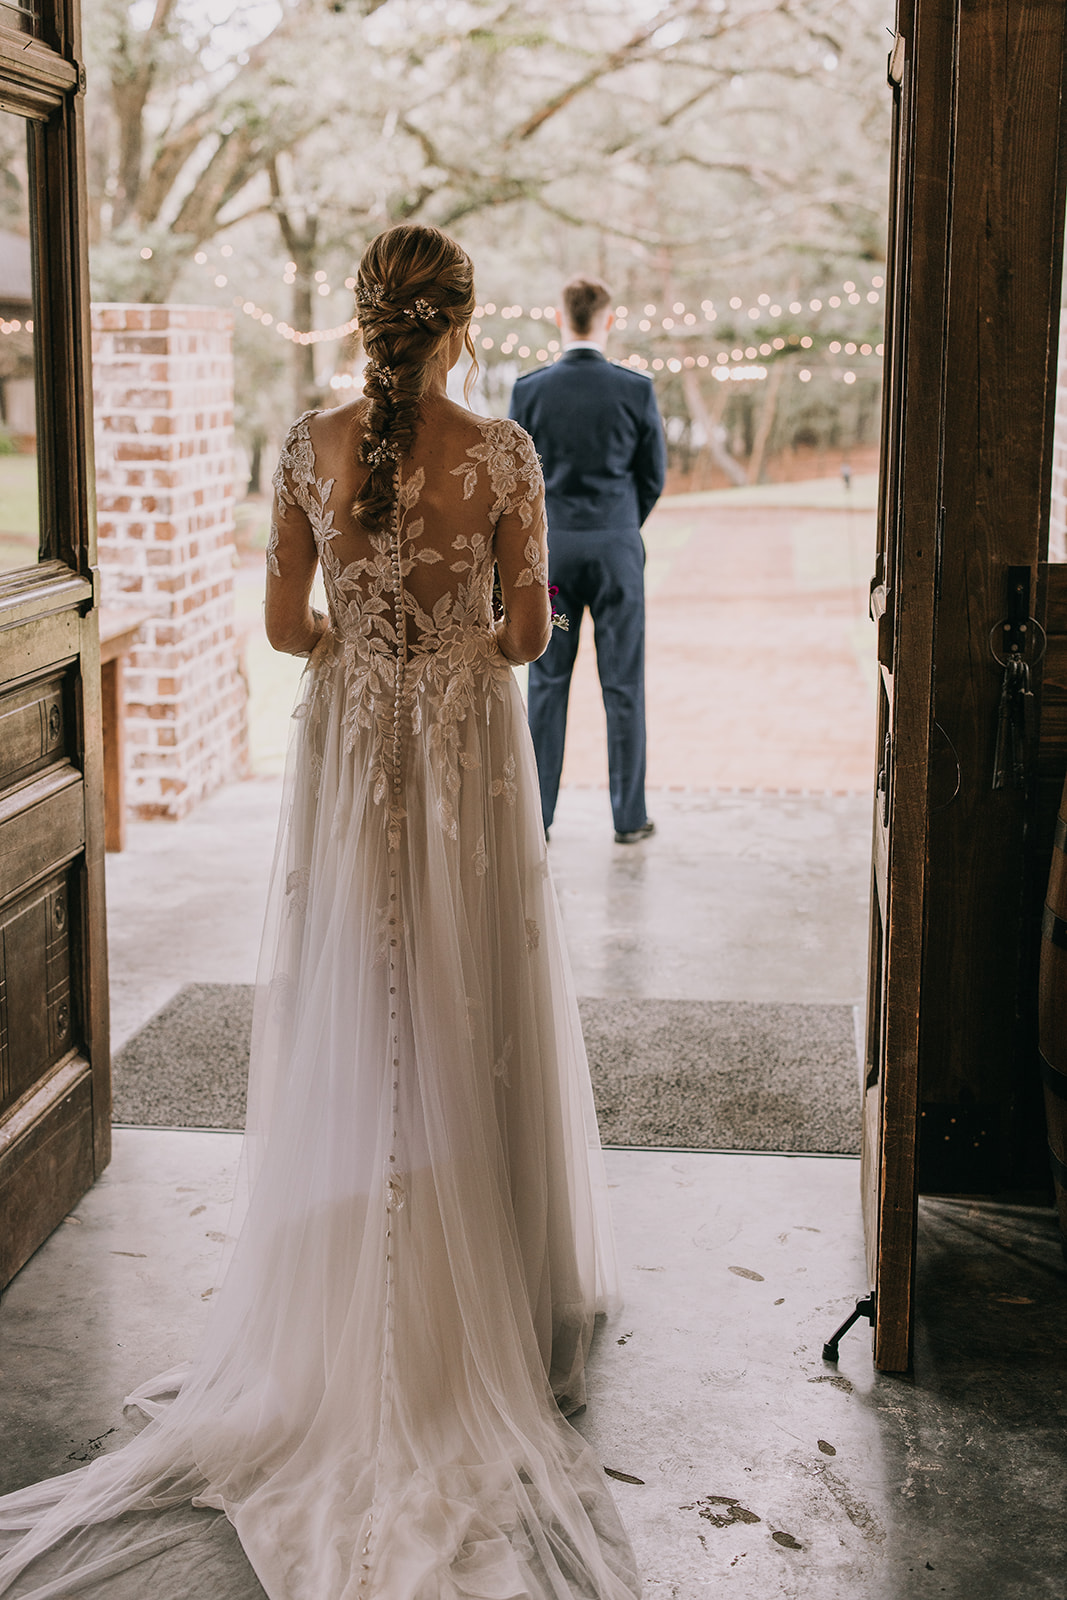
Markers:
point(1002, 661)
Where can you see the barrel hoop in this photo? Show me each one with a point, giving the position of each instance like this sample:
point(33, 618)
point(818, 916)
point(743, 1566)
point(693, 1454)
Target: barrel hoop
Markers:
point(1054, 928)
point(1059, 838)
point(1055, 1077)
point(1059, 1168)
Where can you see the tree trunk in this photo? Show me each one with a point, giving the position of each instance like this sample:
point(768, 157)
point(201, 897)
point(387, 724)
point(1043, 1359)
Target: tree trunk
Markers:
point(305, 390)
point(713, 431)
point(255, 464)
point(766, 421)
point(300, 241)
point(129, 101)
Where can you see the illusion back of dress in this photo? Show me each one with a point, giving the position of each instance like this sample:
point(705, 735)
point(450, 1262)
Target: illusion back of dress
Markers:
point(469, 493)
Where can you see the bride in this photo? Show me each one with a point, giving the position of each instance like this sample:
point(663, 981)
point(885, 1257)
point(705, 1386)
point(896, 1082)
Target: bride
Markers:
point(379, 1406)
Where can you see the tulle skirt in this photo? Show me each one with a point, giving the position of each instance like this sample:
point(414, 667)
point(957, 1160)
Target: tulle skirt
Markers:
point(379, 1405)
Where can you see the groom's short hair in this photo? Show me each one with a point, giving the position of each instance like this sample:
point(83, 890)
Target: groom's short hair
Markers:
point(583, 298)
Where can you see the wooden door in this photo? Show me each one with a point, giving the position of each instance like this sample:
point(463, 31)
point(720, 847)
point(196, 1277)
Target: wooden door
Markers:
point(902, 602)
point(54, 1062)
point(974, 264)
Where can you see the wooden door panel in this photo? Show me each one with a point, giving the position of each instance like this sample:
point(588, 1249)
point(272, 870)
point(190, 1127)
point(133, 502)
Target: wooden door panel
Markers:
point(54, 1061)
point(35, 963)
point(973, 280)
point(41, 824)
point(53, 639)
point(46, 1160)
point(903, 601)
point(32, 728)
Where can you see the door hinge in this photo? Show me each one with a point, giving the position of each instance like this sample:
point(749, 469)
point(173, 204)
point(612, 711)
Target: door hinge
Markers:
point(884, 782)
point(895, 67)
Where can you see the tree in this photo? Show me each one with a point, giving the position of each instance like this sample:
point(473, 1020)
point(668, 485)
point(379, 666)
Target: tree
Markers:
point(184, 120)
point(706, 149)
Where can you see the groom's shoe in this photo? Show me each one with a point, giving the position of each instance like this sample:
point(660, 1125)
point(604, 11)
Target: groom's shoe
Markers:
point(645, 831)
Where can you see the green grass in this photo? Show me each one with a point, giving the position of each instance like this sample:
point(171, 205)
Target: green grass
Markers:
point(18, 496)
point(19, 512)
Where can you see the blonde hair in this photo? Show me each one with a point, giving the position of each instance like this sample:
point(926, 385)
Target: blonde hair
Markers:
point(414, 289)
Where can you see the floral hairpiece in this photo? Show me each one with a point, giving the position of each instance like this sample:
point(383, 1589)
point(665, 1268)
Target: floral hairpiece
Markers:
point(383, 452)
point(377, 371)
point(420, 309)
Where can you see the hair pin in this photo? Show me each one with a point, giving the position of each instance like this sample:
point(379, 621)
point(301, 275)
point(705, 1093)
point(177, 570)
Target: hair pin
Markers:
point(383, 452)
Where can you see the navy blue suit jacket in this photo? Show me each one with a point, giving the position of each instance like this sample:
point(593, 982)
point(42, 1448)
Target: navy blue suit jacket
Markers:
point(598, 431)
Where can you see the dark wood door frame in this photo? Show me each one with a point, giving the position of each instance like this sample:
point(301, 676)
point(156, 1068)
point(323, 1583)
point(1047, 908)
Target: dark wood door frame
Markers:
point(977, 1059)
point(975, 261)
point(903, 595)
point(55, 1119)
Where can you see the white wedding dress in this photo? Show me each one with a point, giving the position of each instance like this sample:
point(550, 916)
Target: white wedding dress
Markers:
point(424, 1241)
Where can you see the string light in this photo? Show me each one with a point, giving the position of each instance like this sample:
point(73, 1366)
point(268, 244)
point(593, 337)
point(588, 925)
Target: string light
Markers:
point(680, 321)
point(771, 304)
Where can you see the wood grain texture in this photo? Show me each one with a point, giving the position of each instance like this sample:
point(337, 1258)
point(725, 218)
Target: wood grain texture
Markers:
point(1007, 177)
point(113, 704)
point(54, 1136)
point(46, 1161)
point(909, 502)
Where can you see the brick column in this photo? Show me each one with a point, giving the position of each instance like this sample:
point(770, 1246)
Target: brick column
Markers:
point(1057, 533)
point(163, 394)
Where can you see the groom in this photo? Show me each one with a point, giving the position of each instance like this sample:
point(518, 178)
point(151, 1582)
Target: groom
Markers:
point(598, 432)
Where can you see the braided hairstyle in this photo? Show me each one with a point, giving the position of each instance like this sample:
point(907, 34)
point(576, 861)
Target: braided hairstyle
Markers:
point(414, 289)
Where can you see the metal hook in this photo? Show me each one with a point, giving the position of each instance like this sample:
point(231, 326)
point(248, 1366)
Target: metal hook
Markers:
point(1002, 627)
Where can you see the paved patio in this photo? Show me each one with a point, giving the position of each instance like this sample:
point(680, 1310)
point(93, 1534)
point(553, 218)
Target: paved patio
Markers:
point(760, 655)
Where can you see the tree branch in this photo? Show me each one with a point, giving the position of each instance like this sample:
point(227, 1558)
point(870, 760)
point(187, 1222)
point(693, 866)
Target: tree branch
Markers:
point(611, 63)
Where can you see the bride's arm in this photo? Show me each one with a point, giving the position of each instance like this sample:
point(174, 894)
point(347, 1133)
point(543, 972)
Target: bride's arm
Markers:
point(292, 626)
point(521, 550)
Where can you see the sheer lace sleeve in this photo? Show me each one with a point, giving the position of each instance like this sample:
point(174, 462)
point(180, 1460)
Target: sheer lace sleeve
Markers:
point(294, 476)
point(292, 549)
point(521, 545)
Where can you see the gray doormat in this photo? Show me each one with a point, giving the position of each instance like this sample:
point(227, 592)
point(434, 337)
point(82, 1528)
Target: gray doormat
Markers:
point(715, 1075)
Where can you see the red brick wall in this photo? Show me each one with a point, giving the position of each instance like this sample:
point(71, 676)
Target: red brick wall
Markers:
point(163, 395)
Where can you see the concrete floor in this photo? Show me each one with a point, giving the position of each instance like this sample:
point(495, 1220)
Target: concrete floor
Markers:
point(737, 897)
point(765, 1473)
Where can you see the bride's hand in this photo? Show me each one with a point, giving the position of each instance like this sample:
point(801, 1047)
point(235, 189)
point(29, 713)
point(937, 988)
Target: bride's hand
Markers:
point(323, 648)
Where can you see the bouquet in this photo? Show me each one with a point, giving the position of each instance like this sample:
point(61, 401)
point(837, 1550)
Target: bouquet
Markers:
point(560, 619)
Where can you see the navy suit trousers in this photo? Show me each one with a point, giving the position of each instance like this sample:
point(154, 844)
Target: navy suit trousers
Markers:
point(606, 572)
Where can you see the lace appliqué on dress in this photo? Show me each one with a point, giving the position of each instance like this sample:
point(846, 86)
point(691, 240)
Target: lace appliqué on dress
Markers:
point(391, 685)
point(508, 455)
point(506, 788)
point(536, 566)
point(297, 885)
point(502, 1064)
point(295, 483)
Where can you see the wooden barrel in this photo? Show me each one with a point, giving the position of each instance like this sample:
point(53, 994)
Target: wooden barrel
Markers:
point(1052, 1013)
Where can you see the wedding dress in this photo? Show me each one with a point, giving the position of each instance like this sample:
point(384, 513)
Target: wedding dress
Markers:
point(378, 1407)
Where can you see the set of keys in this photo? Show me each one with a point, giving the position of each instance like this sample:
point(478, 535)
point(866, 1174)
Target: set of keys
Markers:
point(1013, 719)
